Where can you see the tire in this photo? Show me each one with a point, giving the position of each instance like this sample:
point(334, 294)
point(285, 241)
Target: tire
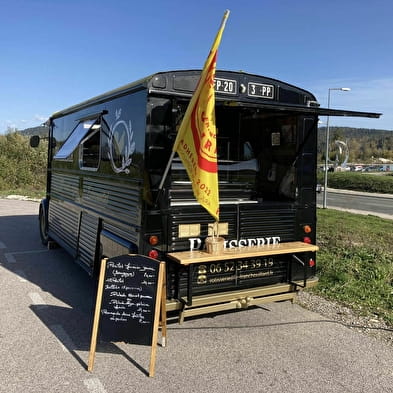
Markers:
point(43, 222)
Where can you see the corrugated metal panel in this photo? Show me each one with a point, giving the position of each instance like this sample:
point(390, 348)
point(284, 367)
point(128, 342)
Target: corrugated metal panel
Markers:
point(254, 222)
point(264, 223)
point(117, 200)
point(65, 186)
point(127, 233)
point(64, 222)
point(88, 239)
point(199, 216)
point(111, 201)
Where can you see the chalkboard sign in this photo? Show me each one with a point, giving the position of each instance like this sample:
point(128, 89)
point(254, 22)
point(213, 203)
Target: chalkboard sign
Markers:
point(128, 301)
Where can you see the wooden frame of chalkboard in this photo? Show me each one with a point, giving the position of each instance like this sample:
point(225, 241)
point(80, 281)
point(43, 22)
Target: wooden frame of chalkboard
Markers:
point(128, 304)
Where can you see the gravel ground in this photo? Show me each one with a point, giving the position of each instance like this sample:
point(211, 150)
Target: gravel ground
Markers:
point(370, 325)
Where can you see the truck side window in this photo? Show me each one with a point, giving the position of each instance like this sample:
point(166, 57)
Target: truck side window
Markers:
point(90, 149)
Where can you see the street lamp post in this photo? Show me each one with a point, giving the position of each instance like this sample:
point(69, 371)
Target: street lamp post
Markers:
point(327, 144)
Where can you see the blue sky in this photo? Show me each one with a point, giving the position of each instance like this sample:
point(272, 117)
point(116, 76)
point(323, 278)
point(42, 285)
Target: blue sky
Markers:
point(56, 53)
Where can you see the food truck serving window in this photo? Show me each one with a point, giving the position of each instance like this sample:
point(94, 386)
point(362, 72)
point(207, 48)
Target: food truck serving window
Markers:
point(73, 141)
point(256, 154)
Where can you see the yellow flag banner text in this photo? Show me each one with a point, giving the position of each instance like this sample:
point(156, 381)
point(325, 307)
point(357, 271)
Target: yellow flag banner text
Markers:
point(196, 141)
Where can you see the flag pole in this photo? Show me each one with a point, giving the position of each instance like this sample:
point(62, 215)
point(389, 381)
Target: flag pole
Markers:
point(164, 176)
point(203, 97)
point(166, 172)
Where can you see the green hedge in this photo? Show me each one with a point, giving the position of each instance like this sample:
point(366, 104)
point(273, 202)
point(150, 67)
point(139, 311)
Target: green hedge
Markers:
point(22, 168)
point(381, 183)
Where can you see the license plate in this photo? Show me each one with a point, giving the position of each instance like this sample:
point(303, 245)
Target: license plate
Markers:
point(226, 86)
point(260, 90)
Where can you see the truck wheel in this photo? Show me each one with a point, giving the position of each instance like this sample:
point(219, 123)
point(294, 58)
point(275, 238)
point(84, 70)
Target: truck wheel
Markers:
point(43, 219)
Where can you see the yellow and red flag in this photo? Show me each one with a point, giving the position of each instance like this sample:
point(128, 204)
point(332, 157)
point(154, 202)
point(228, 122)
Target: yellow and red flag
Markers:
point(196, 141)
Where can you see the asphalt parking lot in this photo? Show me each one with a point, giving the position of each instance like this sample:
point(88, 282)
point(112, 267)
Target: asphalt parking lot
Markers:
point(45, 328)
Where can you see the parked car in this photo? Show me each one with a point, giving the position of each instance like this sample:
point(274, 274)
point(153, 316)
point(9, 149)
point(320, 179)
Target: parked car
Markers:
point(368, 169)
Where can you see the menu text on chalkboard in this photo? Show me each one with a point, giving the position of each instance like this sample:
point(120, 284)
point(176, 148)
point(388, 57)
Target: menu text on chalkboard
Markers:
point(129, 300)
point(129, 297)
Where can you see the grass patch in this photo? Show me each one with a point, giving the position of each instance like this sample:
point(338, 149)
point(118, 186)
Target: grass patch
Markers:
point(355, 261)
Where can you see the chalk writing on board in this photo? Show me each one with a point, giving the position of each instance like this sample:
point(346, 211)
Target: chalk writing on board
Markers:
point(129, 303)
point(129, 295)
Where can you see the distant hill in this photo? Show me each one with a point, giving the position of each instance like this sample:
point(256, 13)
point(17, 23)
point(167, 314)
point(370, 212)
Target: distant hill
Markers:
point(364, 145)
point(40, 130)
point(350, 132)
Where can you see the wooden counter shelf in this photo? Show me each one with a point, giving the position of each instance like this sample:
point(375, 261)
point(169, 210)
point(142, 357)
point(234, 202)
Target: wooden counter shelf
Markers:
point(189, 259)
point(192, 257)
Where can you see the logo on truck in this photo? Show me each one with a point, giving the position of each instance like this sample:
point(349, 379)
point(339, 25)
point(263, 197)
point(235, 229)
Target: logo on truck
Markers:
point(121, 144)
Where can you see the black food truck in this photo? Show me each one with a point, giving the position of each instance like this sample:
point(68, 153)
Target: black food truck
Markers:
point(107, 194)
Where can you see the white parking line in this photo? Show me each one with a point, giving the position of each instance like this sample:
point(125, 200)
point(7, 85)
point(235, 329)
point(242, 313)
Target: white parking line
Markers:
point(10, 256)
point(21, 275)
point(94, 385)
point(37, 299)
point(29, 252)
point(64, 339)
